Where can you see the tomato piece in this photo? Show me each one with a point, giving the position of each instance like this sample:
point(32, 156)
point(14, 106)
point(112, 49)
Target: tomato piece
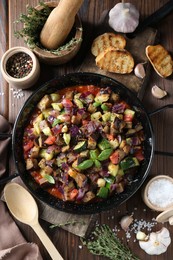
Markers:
point(29, 144)
point(84, 122)
point(115, 157)
point(139, 155)
point(55, 192)
point(67, 102)
point(73, 194)
point(110, 137)
point(50, 140)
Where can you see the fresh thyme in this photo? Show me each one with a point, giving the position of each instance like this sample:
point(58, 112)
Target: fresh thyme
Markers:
point(105, 243)
point(68, 223)
point(33, 23)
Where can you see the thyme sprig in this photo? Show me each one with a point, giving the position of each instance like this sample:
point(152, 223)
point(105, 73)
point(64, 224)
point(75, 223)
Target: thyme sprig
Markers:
point(74, 222)
point(33, 23)
point(105, 243)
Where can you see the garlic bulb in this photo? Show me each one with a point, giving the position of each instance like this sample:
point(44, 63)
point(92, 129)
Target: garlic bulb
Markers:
point(157, 242)
point(125, 222)
point(124, 17)
point(158, 92)
point(139, 71)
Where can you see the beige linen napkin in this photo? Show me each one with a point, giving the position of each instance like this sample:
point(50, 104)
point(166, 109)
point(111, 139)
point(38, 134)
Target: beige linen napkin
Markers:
point(13, 246)
point(83, 223)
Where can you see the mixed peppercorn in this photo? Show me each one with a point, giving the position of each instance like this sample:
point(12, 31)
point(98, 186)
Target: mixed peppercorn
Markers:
point(82, 143)
point(19, 65)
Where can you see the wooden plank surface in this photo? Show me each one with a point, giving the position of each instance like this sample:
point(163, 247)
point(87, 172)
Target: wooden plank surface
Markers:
point(68, 244)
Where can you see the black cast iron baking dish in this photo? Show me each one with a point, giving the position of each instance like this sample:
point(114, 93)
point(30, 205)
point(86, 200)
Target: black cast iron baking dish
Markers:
point(74, 80)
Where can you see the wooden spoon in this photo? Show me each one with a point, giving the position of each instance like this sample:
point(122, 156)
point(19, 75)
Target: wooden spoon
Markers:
point(24, 208)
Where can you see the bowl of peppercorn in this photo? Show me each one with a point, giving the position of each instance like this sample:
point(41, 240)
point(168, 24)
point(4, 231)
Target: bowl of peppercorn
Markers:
point(20, 67)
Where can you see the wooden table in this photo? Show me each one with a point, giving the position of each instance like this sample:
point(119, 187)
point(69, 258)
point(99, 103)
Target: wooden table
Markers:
point(68, 244)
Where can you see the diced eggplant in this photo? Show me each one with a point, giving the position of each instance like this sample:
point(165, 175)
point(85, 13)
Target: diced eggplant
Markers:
point(65, 148)
point(92, 109)
point(42, 163)
point(31, 163)
point(34, 152)
point(76, 119)
point(88, 196)
point(44, 102)
point(91, 143)
point(114, 97)
point(48, 169)
point(79, 178)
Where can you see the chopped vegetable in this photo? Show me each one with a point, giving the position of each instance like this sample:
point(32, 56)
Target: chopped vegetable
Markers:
point(82, 142)
point(105, 243)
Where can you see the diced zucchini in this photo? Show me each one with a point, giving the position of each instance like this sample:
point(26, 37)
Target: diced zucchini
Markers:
point(81, 146)
point(37, 129)
point(106, 116)
point(67, 138)
point(55, 97)
point(44, 154)
point(47, 131)
point(101, 182)
point(36, 123)
point(129, 162)
point(101, 98)
point(46, 112)
point(114, 143)
point(64, 129)
point(113, 169)
point(96, 115)
point(57, 106)
point(78, 103)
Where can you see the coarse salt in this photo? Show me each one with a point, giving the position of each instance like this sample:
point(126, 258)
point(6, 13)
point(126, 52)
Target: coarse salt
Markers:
point(160, 193)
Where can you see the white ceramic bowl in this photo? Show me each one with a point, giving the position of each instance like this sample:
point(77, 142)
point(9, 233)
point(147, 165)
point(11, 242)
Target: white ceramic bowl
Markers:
point(24, 82)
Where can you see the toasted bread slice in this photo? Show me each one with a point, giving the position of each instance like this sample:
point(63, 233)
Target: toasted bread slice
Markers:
point(160, 59)
point(106, 40)
point(117, 61)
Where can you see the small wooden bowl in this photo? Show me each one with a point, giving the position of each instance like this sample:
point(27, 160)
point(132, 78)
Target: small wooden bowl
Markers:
point(145, 193)
point(65, 55)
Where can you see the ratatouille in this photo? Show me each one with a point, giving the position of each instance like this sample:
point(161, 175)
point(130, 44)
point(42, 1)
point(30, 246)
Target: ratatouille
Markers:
point(82, 143)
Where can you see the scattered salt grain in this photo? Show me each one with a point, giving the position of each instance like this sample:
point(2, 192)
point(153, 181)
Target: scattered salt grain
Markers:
point(160, 193)
point(17, 93)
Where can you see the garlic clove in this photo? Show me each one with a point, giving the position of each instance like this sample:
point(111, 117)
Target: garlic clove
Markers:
point(139, 71)
point(125, 222)
point(141, 236)
point(158, 92)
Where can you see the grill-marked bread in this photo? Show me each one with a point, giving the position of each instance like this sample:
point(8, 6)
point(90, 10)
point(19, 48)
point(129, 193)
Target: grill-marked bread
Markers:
point(117, 61)
point(106, 40)
point(160, 59)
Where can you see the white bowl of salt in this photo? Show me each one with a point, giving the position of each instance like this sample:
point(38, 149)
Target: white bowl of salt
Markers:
point(158, 193)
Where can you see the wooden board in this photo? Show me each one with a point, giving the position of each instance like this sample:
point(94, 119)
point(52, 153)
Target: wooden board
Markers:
point(135, 46)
